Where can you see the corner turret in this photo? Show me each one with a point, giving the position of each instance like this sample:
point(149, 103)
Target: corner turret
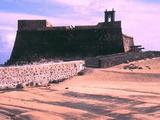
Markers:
point(109, 16)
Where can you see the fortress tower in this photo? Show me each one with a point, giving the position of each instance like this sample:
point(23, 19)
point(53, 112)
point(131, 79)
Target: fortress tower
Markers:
point(109, 16)
point(38, 39)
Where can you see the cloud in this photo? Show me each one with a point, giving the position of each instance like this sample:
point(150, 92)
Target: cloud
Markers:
point(73, 2)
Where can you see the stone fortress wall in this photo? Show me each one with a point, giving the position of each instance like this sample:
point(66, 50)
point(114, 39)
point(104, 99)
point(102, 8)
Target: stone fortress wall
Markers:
point(39, 74)
point(38, 39)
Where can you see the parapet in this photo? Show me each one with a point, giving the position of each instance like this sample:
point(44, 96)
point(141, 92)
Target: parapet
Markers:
point(127, 36)
point(86, 27)
point(32, 25)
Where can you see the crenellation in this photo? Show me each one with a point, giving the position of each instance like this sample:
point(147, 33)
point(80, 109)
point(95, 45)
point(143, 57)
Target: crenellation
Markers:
point(24, 25)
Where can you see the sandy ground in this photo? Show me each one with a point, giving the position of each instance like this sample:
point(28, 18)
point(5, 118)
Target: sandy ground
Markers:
point(100, 94)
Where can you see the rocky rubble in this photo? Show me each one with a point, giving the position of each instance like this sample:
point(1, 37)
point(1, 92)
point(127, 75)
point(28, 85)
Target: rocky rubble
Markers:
point(132, 66)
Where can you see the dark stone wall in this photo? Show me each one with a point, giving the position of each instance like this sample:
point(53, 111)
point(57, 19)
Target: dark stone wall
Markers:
point(127, 57)
point(31, 24)
point(35, 44)
point(116, 59)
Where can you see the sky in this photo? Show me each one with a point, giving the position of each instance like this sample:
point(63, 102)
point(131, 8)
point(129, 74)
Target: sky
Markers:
point(140, 18)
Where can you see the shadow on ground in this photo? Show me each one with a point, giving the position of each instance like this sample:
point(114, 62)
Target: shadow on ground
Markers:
point(101, 105)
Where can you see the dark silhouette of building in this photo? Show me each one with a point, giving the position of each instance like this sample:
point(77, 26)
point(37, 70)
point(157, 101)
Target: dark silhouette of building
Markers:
point(38, 39)
point(109, 16)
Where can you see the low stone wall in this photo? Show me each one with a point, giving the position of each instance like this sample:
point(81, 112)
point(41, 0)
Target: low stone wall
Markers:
point(116, 59)
point(126, 57)
point(40, 74)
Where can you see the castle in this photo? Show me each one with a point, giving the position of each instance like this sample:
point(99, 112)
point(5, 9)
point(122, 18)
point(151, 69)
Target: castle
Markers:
point(38, 39)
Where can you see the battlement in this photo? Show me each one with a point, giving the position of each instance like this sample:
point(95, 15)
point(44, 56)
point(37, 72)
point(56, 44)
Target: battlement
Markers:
point(29, 25)
point(33, 24)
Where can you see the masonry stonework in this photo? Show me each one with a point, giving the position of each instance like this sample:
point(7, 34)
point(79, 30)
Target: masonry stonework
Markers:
point(38, 74)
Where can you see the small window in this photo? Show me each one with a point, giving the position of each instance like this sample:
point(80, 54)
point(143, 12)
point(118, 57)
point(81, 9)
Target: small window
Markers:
point(109, 18)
